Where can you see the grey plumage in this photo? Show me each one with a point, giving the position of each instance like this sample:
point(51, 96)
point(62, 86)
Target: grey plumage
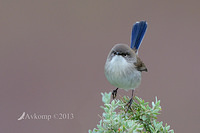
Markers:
point(123, 67)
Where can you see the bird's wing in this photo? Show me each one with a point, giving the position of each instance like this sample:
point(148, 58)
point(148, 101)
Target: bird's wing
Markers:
point(139, 65)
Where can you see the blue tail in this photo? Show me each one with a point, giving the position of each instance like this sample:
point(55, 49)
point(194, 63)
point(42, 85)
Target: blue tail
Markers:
point(138, 31)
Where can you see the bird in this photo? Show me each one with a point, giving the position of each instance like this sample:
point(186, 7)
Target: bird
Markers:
point(123, 66)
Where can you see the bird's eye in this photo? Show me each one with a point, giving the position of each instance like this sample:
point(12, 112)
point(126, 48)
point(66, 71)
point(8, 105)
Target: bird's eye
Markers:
point(113, 53)
point(125, 54)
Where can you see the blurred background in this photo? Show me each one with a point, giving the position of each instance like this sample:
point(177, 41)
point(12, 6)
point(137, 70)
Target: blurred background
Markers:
point(52, 56)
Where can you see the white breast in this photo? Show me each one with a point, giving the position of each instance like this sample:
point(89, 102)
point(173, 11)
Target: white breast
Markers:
point(122, 74)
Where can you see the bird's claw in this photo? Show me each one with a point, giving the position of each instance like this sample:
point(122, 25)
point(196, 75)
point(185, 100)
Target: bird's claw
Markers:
point(129, 104)
point(114, 93)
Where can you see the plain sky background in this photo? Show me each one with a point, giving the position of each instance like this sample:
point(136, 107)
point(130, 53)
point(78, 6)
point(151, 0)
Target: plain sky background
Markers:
point(52, 55)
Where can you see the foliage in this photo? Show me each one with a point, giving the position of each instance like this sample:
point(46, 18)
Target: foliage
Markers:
point(140, 118)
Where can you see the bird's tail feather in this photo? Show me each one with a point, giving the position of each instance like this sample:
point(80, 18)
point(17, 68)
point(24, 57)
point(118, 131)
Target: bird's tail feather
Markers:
point(138, 31)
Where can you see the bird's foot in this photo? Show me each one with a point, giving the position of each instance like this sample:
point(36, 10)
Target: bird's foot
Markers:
point(114, 93)
point(129, 104)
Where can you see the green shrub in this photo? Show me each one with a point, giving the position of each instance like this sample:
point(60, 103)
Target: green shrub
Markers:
point(140, 118)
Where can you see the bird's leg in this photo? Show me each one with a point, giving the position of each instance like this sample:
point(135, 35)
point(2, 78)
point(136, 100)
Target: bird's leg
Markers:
point(130, 101)
point(114, 93)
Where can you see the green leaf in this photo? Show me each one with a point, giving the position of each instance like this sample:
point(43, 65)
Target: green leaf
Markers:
point(141, 118)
